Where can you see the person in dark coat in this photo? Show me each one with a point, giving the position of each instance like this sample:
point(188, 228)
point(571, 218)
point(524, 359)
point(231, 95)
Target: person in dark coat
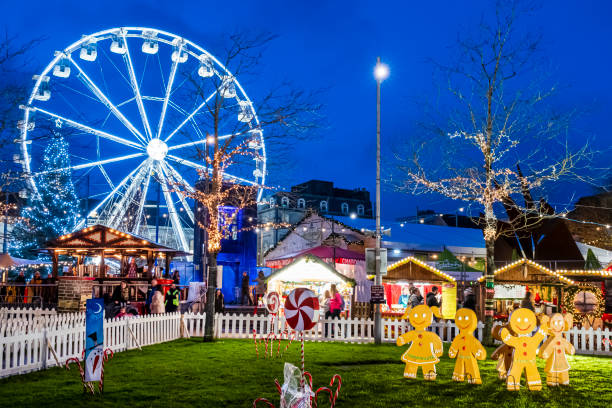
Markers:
point(154, 287)
point(469, 301)
point(176, 277)
point(432, 300)
point(20, 290)
point(245, 289)
point(219, 302)
point(527, 302)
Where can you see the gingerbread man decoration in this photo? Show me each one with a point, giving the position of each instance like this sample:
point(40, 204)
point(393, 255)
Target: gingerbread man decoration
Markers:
point(523, 322)
point(554, 350)
point(466, 348)
point(503, 354)
point(426, 347)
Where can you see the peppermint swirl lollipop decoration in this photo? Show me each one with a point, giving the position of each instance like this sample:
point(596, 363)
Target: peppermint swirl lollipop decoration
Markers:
point(272, 302)
point(302, 309)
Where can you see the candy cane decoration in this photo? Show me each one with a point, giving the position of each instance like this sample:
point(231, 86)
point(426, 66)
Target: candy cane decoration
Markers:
point(333, 396)
point(303, 371)
point(89, 386)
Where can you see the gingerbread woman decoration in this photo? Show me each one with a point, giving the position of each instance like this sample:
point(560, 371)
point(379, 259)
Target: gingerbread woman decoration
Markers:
point(466, 348)
point(523, 322)
point(554, 350)
point(503, 354)
point(426, 347)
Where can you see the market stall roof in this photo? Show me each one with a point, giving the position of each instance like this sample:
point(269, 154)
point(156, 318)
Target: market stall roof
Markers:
point(322, 252)
point(413, 269)
point(309, 268)
point(526, 271)
point(593, 273)
point(423, 237)
point(93, 239)
point(8, 261)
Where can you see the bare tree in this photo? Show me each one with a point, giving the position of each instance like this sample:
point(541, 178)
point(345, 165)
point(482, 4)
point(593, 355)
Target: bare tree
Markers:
point(283, 114)
point(496, 120)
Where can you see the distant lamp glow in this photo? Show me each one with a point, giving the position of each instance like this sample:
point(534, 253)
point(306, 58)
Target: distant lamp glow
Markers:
point(461, 209)
point(381, 71)
point(396, 251)
point(353, 216)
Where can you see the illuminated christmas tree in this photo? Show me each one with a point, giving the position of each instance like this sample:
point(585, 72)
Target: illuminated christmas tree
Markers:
point(55, 209)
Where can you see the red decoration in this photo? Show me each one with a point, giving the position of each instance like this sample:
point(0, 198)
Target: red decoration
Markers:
point(301, 309)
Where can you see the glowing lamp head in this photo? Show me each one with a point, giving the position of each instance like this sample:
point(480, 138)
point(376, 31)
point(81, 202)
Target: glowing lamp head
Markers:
point(157, 149)
point(381, 71)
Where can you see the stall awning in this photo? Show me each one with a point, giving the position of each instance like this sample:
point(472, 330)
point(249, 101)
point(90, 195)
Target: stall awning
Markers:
point(525, 271)
point(309, 268)
point(8, 261)
point(324, 252)
point(412, 269)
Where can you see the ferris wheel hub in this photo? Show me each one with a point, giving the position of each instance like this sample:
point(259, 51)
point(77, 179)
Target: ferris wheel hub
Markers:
point(157, 149)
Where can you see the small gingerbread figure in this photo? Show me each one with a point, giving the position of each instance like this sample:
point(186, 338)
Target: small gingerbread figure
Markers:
point(466, 348)
point(554, 350)
point(503, 354)
point(426, 347)
point(523, 322)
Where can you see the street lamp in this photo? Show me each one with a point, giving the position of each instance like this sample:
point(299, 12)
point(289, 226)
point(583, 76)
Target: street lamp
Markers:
point(381, 72)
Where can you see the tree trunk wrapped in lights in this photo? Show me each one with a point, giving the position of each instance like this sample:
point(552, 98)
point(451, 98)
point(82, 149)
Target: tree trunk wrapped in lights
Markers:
point(495, 122)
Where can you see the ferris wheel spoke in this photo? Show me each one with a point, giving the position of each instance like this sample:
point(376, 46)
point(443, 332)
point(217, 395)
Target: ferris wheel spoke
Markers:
point(173, 174)
point(104, 99)
point(88, 129)
point(143, 200)
point(203, 167)
point(105, 175)
point(123, 206)
point(162, 116)
point(127, 58)
point(197, 142)
point(191, 115)
point(112, 193)
point(93, 164)
point(175, 221)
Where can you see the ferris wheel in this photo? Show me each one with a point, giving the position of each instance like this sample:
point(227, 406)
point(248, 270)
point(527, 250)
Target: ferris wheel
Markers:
point(136, 108)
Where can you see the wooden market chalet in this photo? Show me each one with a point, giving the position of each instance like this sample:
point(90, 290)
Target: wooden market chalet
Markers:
point(105, 242)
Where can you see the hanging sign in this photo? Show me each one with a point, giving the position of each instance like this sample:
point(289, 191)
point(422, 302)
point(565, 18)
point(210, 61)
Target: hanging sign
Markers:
point(370, 255)
point(94, 339)
point(377, 293)
point(509, 291)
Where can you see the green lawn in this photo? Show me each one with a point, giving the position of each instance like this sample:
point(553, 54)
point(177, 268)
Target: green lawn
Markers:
point(189, 373)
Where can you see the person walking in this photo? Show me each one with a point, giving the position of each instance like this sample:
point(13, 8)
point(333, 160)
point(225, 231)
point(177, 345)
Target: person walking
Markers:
point(325, 308)
point(157, 302)
point(527, 302)
point(36, 295)
point(245, 289)
point(336, 304)
point(173, 297)
point(154, 287)
point(219, 302)
point(262, 287)
point(469, 301)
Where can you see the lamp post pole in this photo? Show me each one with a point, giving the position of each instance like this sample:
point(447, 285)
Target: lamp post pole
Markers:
point(380, 73)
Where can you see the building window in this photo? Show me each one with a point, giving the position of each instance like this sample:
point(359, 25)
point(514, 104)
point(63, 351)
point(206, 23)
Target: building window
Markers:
point(301, 203)
point(272, 202)
point(323, 206)
point(344, 208)
point(360, 209)
point(285, 201)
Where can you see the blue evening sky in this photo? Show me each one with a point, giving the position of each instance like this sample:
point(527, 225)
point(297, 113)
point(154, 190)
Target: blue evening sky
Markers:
point(333, 45)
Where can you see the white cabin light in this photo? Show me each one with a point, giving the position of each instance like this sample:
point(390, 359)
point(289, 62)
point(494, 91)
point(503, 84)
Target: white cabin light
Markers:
point(150, 45)
point(179, 55)
point(42, 93)
point(118, 46)
point(257, 173)
point(228, 89)
point(89, 51)
point(246, 113)
point(206, 69)
point(62, 68)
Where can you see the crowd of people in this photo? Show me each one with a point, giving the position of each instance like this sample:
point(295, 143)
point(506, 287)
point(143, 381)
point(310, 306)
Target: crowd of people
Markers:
point(37, 292)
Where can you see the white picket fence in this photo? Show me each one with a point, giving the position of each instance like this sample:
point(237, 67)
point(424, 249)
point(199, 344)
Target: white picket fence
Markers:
point(38, 346)
point(37, 349)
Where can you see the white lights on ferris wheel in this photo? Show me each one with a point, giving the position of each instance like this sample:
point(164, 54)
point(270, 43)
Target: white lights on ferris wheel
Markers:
point(62, 68)
point(206, 69)
point(129, 141)
point(150, 45)
point(89, 51)
point(118, 46)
